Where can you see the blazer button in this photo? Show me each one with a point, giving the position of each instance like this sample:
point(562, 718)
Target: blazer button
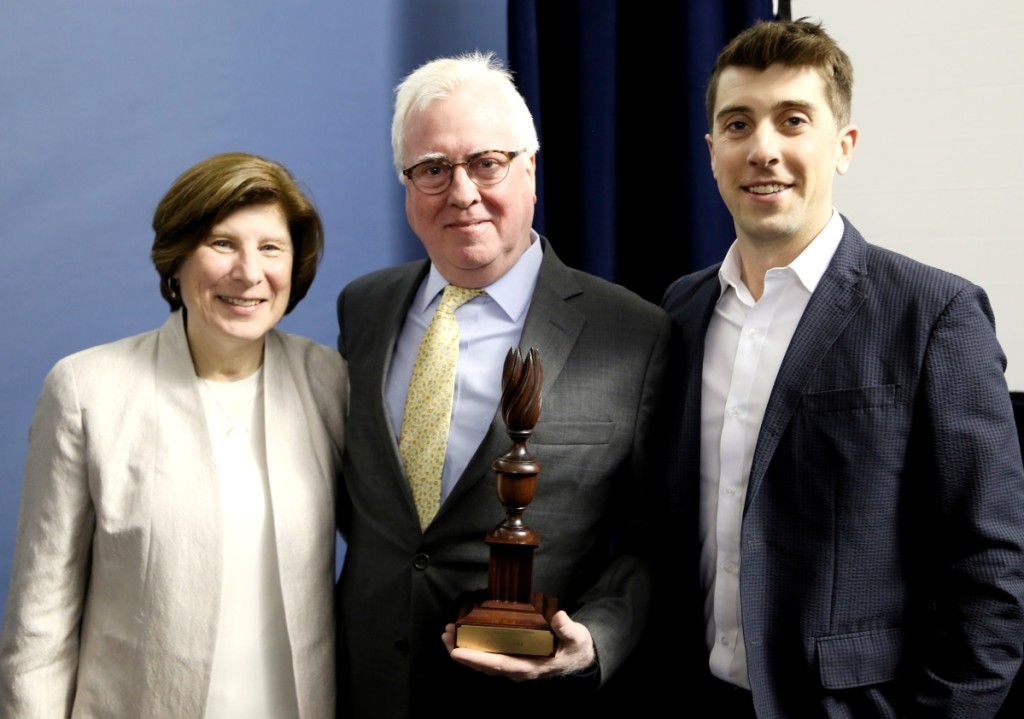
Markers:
point(421, 562)
point(402, 645)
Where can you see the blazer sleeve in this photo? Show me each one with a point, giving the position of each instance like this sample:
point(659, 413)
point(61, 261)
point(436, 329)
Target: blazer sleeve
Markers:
point(39, 645)
point(616, 609)
point(970, 525)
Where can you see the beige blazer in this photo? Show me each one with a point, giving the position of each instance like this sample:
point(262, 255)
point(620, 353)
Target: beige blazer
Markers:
point(114, 597)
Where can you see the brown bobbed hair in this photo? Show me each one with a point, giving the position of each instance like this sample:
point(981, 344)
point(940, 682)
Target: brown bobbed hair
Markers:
point(211, 190)
point(796, 43)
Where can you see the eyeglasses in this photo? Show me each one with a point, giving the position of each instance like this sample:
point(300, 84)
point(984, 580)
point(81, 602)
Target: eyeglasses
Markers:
point(485, 168)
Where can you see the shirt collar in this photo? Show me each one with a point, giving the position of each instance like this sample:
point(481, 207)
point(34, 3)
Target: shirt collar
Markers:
point(808, 267)
point(511, 292)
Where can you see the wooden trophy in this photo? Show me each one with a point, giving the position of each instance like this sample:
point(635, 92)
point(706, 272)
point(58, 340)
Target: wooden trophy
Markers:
point(509, 617)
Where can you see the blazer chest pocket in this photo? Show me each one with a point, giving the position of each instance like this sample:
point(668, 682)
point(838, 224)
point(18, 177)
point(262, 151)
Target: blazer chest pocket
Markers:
point(568, 432)
point(577, 456)
point(841, 400)
point(848, 661)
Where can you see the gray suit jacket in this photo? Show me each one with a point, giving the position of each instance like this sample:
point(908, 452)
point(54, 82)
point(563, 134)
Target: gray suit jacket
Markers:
point(115, 589)
point(882, 549)
point(604, 353)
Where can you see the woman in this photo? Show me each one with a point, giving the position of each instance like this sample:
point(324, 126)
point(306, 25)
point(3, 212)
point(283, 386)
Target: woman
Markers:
point(175, 549)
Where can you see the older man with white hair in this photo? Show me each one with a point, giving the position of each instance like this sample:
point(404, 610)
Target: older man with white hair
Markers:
point(465, 148)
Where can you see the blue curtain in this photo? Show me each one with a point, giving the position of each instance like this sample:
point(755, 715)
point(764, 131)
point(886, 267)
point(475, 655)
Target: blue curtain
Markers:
point(617, 90)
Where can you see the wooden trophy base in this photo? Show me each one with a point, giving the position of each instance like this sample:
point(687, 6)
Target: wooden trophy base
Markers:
point(508, 627)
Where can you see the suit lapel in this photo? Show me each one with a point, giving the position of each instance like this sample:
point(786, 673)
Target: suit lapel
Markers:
point(378, 332)
point(553, 326)
point(393, 299)
point(832, 305)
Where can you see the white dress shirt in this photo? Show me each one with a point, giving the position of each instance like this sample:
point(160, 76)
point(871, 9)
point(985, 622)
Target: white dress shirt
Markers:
point(745, 344)
point(488, 326)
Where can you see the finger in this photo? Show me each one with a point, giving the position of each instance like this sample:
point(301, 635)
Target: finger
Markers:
point(495, 664)
point(569, 633)
point(448, 638)
point(561, 624)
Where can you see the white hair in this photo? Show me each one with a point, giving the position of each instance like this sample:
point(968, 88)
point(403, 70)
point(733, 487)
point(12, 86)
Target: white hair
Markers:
point(437, 79)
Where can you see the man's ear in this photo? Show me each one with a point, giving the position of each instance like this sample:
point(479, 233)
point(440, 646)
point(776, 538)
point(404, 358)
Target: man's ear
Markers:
point(847, 142)
point(711, 151)
point(531, 170)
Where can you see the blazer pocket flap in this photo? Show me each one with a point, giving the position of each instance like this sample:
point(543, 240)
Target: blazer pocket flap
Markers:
point(584, 431)
point(847, 661)
point(838, 400)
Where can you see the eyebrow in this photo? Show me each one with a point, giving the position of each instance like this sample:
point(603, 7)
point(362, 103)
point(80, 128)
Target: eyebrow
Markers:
point(434, 156)
point(215, 234)
point(780, 105)
point(428, 157)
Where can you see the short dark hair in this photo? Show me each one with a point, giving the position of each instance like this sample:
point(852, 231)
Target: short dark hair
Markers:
point(797, 43)
point(211, 190)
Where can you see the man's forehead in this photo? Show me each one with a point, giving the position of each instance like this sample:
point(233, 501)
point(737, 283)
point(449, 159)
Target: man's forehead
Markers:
point(775, 85)
point(476, 100)
point(469, 121)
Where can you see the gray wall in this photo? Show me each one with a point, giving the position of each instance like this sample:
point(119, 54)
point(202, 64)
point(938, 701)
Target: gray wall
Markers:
point(938, 173)
point(103, 104)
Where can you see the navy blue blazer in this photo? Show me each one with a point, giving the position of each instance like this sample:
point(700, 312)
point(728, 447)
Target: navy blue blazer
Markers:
point(882, 549)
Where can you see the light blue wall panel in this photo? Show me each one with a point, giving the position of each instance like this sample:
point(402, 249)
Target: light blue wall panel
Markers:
point(103, 104)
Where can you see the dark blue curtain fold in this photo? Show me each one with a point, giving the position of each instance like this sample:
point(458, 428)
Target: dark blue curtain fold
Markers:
point(617, 89)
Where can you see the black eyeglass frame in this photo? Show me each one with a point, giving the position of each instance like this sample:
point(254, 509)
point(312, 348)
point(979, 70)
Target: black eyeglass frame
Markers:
point(450, 166)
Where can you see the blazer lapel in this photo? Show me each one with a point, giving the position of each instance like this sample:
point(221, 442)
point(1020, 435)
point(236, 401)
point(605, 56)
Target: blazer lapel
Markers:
point(292, 449)
point(181, 422)
point(691, 328)
point(186, 503)
point(829, 310)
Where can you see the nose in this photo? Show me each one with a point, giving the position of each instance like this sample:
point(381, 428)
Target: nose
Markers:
point(248, 267)
point(463, 191)
point(764, 147)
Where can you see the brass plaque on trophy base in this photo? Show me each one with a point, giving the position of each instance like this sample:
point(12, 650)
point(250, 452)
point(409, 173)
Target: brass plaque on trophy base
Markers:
point(486, 626)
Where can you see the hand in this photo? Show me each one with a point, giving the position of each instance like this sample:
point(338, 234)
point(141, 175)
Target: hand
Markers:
point(575, 652)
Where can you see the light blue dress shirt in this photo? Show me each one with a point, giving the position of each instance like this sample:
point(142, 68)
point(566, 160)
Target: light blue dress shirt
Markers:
point(488, 326)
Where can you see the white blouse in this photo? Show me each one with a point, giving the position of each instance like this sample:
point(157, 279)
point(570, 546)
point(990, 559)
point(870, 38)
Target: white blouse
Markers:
point(252, 674)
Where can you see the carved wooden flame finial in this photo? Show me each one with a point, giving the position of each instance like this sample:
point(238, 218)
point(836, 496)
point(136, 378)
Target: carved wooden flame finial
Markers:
point(521, 381)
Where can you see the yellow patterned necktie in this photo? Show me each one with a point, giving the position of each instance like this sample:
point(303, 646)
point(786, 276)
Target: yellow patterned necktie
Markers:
point(428, 404)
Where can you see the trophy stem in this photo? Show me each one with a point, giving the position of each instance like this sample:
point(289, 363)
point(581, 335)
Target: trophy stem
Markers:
point(510, 575)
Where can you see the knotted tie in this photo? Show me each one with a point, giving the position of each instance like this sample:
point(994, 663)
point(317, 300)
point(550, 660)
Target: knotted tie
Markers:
point(428, 404)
